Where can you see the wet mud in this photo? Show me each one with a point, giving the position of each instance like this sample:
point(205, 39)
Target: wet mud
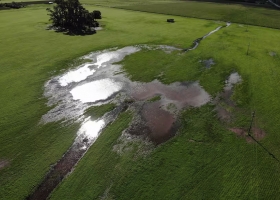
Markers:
point(58, 172)
point(256, 133)
point(86, 136)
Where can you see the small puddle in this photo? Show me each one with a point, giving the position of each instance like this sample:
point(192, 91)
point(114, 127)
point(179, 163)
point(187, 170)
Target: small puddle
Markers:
point(98, 28)
point(272, 53)
point(208, 63)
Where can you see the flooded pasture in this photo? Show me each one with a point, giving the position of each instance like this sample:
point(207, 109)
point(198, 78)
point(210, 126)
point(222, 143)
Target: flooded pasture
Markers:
point(101, 81)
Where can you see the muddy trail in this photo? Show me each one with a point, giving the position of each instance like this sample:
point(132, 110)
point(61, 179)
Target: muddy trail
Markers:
point(87, 134)
point(99, 82)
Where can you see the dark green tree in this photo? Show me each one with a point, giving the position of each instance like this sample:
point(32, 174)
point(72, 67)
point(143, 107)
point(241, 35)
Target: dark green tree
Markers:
point(71, 16)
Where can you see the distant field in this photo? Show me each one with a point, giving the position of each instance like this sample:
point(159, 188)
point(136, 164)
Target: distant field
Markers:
point(215, 11)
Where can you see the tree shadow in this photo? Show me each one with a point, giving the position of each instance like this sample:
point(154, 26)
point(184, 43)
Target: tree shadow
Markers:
point(72, 32)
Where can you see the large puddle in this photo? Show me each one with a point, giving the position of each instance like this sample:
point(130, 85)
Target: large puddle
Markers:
point(100, 81)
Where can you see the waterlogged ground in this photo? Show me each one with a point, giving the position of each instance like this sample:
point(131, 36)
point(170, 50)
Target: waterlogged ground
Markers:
point(155, 106)
point(101, 81)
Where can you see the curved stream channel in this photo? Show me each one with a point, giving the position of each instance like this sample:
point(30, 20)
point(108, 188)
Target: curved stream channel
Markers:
point(100, 81)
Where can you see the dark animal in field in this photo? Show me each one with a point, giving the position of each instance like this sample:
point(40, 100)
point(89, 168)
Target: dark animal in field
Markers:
point(170, 20)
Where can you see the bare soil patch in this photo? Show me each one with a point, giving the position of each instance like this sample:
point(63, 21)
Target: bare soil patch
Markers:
point(4, 163)
point(257, 133)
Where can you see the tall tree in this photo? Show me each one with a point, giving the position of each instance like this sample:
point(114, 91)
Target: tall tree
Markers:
point(70, 15)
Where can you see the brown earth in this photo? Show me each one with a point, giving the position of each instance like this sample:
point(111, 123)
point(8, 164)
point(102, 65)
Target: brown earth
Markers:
point(257, 133)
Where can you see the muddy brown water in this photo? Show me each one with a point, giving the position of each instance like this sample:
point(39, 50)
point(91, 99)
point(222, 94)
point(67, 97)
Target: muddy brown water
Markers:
point(181, 94)
point(160, 122)
point(101, 81)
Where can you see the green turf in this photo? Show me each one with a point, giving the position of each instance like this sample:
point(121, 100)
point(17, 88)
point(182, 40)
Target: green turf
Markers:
point(216, 11)
point(155, 98)
point(205, 160)
point(98, 111)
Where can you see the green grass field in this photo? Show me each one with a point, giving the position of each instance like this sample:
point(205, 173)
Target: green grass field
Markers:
point(220, 166)
point(215, 11)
